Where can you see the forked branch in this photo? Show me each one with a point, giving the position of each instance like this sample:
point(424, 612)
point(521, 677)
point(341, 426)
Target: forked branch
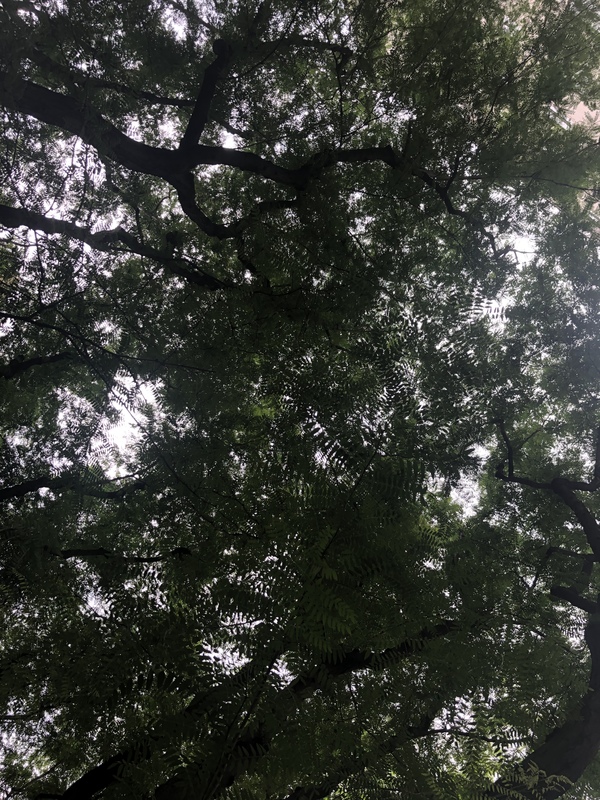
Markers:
point(564, 755)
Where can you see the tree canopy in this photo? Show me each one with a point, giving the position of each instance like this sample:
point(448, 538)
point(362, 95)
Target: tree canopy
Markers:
point(299, 399)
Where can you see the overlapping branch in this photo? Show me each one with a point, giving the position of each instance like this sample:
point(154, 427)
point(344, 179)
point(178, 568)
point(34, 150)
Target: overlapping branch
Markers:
point(175, 166)
point(562, 487)
point(357, 660)
point(564, 755)
point(108, 241)
point(103, 552)
point(71, 482)
point(258, 736)
point(16, 366)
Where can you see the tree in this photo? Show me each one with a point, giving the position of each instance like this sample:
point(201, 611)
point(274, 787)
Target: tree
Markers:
point(281, 239)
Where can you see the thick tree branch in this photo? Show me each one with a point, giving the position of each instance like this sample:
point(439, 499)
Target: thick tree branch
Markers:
point(573, 553)
point(520, 480)
point(104, 775)
point(212, 74)
point(564, 488)
point(587, 520)
point(174, 166)
point(87, 552)
point(26, 487)
point(572, 596)
point(107, 241)
point(223, 50)
point(357, 660)
point(568, 750)
point(358, 762)
point(511, 477)
point(562, 758)
point(245, 161)
point(293, 40)
point(64, 482)
point(17, 366)
point(109, 772)
point(79, 119)
point(256, 739)
point(509, 448)
point(186, 194)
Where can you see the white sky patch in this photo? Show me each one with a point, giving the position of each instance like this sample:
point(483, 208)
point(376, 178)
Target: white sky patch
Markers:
point(467, 492)
point(127, 399)
point(524, 249)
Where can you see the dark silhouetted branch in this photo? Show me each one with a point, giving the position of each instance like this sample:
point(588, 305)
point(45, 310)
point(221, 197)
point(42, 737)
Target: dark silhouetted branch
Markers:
point(357, 762)
point(174, 166)
point(357, 660)
point(86, 552)
point(571, 595)
point(212, 74)
point(16, 366)
point(567, 751)
point(67, 482)
point(509, 448)
point(108, 242)
point(587, 520)
point(258, 739)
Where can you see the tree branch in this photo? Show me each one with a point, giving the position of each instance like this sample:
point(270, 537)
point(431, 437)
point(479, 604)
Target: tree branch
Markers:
point(66, 481)
point(520, 480)
point(212, 74)
point(174, 166)
point(109, 772)
point(86, 552)
point(594, 483)
point(357, 660)
point(106, 241)
point(563, 488)
point(509, 448)
point(186, 194)
point(359, 762)
point(258, 739)
point(18, 365)
point(187, 199)
point(311, 44)
point(511, 477)
point(568, 750)
point(562, 758)
point(572, 596)
point(81, 120)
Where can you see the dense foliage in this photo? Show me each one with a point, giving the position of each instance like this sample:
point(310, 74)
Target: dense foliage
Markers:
point(298, 445)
